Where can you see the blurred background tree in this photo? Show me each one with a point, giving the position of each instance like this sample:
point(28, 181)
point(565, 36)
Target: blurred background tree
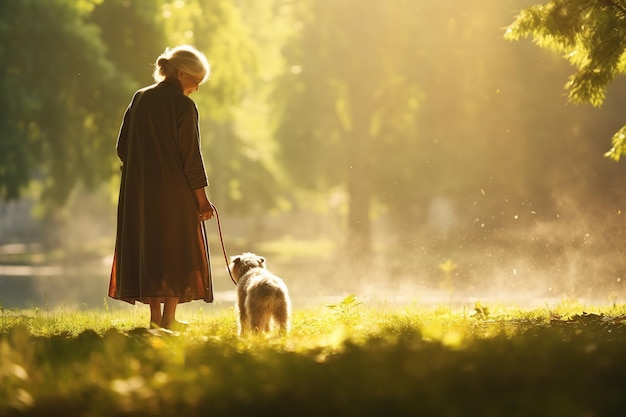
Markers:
point(349, 105)
point(60, 95)
point(242, 41)
point(134, 35)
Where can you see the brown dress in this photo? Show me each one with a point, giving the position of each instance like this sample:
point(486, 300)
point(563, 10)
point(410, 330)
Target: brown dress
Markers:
point(161, 246)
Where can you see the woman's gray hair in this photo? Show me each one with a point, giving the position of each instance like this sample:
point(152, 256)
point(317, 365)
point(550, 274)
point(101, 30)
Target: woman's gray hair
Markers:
point(184, 58)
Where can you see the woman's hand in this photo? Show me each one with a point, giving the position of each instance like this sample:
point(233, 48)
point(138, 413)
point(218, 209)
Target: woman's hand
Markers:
point(205, 208)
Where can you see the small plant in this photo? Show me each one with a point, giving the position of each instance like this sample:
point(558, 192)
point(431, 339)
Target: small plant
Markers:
point(347, 308)
point(480, 311)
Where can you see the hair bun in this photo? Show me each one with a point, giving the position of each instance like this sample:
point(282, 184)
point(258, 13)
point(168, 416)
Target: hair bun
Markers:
point(162, 62)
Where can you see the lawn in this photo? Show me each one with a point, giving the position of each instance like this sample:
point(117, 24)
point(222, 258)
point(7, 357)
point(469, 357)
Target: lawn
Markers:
point(348, 359)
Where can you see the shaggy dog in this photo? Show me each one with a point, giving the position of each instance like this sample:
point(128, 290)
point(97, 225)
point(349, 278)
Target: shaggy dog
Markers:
point(262, 297)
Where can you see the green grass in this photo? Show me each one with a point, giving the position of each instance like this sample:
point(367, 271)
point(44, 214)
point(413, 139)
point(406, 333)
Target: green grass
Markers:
point(349, 359)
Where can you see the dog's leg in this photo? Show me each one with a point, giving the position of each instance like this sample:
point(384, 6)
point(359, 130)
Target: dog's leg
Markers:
point(267, 321)
point(281, 316)
point(258, 317)
point(256, 322)
point(243, 316)
point(242, 324)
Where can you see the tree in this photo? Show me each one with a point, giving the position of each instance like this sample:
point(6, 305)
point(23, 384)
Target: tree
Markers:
point(349, 103)
point(59, 96)
point(134, 35)
point(591, 35)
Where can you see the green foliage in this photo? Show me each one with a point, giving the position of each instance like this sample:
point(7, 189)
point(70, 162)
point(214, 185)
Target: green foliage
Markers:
point(480, 311)
point(59, 92)
point(346, 310)
point(518, 363)
point(134, 36)
point(590, 34)
point(619, 145)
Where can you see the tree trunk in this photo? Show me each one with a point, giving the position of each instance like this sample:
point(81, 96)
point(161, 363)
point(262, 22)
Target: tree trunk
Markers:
point(358, 185)
point(359, 224)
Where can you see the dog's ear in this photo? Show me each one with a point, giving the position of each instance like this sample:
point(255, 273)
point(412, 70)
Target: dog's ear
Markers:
point(235, 259)
point(262, 259)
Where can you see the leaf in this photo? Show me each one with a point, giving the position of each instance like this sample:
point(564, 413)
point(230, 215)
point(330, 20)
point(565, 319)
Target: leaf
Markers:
point(619, 145)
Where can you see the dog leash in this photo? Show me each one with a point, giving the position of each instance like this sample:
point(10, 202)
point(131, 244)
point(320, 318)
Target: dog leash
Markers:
point(219, 229)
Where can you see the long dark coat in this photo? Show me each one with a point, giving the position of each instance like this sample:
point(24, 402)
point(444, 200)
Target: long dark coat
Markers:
point(161, 249)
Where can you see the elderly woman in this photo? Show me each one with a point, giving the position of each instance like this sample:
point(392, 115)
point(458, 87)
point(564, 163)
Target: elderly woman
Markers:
point(161, 253)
